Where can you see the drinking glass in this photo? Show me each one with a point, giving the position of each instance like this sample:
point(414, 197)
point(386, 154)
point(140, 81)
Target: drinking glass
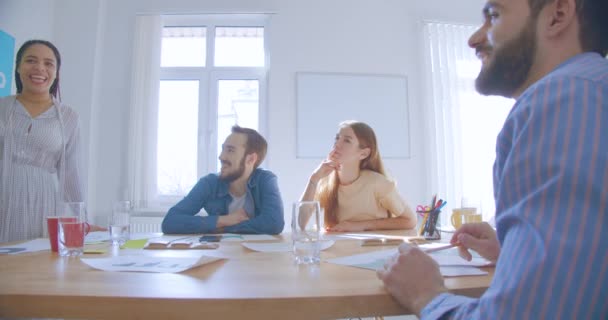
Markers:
point(72, 228)
point(52, 225)
point(306, 232)
point(120, 222)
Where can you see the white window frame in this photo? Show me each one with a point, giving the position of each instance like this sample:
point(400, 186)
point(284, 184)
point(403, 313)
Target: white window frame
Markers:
point(444, 45)
point(142, 184)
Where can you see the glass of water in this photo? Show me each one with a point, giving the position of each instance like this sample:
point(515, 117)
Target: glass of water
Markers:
point(306, 232)
point(120, 222)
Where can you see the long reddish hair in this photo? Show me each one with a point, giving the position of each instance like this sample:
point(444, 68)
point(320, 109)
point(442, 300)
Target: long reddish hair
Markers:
point(328, 188)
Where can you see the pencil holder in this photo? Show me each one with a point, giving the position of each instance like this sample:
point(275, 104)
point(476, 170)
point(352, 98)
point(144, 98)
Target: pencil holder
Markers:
point(429, 228)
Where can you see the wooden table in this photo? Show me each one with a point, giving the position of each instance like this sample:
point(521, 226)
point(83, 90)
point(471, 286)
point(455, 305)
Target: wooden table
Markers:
point(245, 285)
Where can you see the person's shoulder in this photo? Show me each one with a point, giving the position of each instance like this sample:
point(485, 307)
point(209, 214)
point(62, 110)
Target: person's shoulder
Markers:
point(210, 178)
point(260, 173)
point(585, 67)
point(5, 103)
point(262, 178)
point(378, 180)
point(209, 183)
point(67, 112)
point(372, 175)
point(7, 100)
point(589, 66)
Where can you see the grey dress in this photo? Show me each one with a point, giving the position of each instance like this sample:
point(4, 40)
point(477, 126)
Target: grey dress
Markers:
point(40, 165)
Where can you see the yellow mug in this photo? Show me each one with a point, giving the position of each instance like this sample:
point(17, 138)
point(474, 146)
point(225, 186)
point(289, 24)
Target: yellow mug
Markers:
point(472, 218)
point(461, 215)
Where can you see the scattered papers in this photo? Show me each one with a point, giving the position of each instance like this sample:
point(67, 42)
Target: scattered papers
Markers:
point(449, 265)
point(147, 264)
point(280, 246)
point(28, 246)
point(455, 271)
point(455, 260)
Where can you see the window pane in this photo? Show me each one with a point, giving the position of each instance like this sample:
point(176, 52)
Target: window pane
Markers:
point(238, 103)
point(183, 47)
point(177, 136)
point(239, 47)
point(481, 119)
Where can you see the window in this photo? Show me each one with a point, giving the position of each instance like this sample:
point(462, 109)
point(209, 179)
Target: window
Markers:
point(183, 47)
point(176, 169)
point(465, 123)
point(231, 42)
point(199, 75)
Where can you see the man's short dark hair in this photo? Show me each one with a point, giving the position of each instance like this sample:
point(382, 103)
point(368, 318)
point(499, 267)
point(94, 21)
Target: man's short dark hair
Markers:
point(255, 143)
point(592, 21)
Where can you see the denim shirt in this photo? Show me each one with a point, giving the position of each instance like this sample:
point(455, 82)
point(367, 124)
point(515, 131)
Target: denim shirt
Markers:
point(263, 204)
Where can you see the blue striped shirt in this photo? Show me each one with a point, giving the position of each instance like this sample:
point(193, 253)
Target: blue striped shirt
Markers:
point(551, 191)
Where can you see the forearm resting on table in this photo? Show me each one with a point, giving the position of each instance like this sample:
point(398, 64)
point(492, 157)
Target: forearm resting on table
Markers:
point(397, 223)
point(367, 225)
point(231, 219)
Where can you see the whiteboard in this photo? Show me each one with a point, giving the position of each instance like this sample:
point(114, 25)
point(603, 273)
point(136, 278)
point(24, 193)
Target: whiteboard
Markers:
point(326, 99)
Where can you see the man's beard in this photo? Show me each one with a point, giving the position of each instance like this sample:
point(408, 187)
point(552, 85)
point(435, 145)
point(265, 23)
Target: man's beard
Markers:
point(231, 176)
point(510, 65)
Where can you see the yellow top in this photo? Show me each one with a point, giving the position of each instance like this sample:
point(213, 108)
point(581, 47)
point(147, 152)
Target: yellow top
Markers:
point(372, 196)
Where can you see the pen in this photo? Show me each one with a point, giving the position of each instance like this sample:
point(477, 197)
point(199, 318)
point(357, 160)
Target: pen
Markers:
point(440, 248)
point(442, 205)
point(438, 204)
point(423, 224)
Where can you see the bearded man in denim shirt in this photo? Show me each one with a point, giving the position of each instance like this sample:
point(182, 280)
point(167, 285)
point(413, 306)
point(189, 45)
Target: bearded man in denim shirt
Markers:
point(241, 198)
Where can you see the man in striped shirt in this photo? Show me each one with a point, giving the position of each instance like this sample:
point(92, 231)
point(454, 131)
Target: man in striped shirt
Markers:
point(550, 174)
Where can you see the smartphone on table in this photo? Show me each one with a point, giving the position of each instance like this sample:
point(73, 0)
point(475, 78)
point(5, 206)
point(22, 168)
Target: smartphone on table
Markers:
point(210, 238)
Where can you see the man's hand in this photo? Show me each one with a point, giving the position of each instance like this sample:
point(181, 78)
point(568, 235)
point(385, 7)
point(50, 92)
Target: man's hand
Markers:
point(479, 237)
point(412, 278)
point(232, 218)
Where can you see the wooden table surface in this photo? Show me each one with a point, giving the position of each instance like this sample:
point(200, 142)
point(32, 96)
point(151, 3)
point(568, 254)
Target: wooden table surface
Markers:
point(246, 284)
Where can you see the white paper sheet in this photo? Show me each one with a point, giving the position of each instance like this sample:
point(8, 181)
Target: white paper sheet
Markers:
point(455, 260)
point(140, 263)
point(455, 271)
point(28, 246)
point(449, 265)
point(280, 246)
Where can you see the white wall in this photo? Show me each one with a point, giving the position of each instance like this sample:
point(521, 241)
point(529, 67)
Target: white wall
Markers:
point(27, 19)
point(352, 36)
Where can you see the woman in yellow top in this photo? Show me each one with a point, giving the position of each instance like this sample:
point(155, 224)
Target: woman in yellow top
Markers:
point(352, 187)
